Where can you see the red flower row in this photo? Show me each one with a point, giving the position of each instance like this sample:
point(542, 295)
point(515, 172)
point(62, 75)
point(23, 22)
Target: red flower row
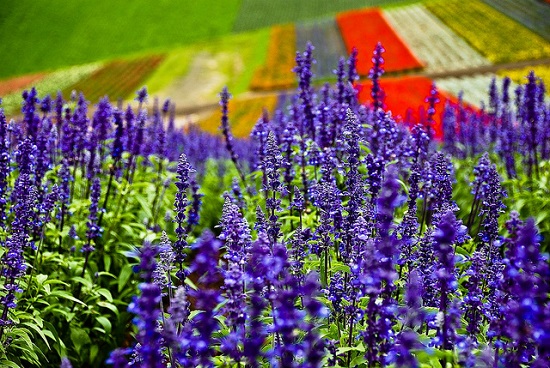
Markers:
point(363, 29)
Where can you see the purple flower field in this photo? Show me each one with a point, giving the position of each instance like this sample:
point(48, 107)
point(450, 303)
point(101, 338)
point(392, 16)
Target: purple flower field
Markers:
point(332, 237)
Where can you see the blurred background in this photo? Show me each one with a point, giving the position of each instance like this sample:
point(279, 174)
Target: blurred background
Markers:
point(188, 50)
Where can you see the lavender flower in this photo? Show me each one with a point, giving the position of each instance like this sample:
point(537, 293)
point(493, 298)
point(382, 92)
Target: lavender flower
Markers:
point(375, 73)
point(147, 311)
point(184, 170)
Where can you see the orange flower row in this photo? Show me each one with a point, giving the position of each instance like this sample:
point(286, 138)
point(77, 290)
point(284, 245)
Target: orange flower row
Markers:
point(117, 79)
point(277, 73)
point(243, 115)
point(363, 29)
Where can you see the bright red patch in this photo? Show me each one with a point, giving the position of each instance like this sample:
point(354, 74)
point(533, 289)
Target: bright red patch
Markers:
point(363, 29)
point(405, 98)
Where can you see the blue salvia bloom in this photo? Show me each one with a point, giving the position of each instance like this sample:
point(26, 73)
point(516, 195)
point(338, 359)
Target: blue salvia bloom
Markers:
point(116, 151)
point(492, 206)
point(530, 123)
point(259, 137)
point(401, 353)
point(226, 131)
point(352, 77)
point(118, 358)
point(4, 167)
point(473, 302)
point(48, 205)
point(197, 346)
point(445, 236)
point(65, 363)
point(94, 230)
point(93, 162)
point(141, 96)
point(43, 159)
point(341, 82)
point(25, 156)
point(30, 120)
point(375, 73)
point(408, 229)
point(235, 233)
point(421, 143)
point(129, 135)
point(65, 179)
point(162, 274)
point(441, 192)
point(235, 310)
point(101, 122)
point(146, 308)
point(13, 260)
point(432, 100)
point(354, 181)
point(138, 141)
point(80, 122)
point(196, 202)
point(303, 70)
point(183, 171)
point(520, 327)
point(326, 196)
point(271, 167)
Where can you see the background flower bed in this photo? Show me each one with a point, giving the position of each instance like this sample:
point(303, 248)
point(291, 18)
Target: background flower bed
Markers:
point(362, 28)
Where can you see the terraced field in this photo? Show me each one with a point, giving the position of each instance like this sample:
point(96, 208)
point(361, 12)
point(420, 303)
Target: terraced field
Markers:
point(432, 41)
point(363, 29)
point(280, 59)
point(243, 115)
point(50, 84)
point(261, 13)
point(118, 79)
point(531, 13)
point(329, 46)
point(499, 38)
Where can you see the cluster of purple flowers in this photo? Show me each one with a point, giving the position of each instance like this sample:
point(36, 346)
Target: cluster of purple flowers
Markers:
point(345, 263)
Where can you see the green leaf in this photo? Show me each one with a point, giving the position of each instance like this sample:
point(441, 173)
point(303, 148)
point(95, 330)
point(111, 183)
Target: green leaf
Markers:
point(124, 276)
point(38, 331)
point(79, 337)
point(106, 294)
point(105, 323)
point(66, 295)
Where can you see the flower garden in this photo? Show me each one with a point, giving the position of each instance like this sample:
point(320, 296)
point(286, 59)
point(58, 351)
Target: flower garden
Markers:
point(384, 208)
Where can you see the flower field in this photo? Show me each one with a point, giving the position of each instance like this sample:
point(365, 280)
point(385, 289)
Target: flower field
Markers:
point(245, 112)
point(366, 27)
point(497, 37)
point(50, 84)
point(439, 48)
point(405, 98)
point(533, 14)
point(322, 32)
point(118, 79)
point(277, 72)
point(314, 211)
point(519, 75)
